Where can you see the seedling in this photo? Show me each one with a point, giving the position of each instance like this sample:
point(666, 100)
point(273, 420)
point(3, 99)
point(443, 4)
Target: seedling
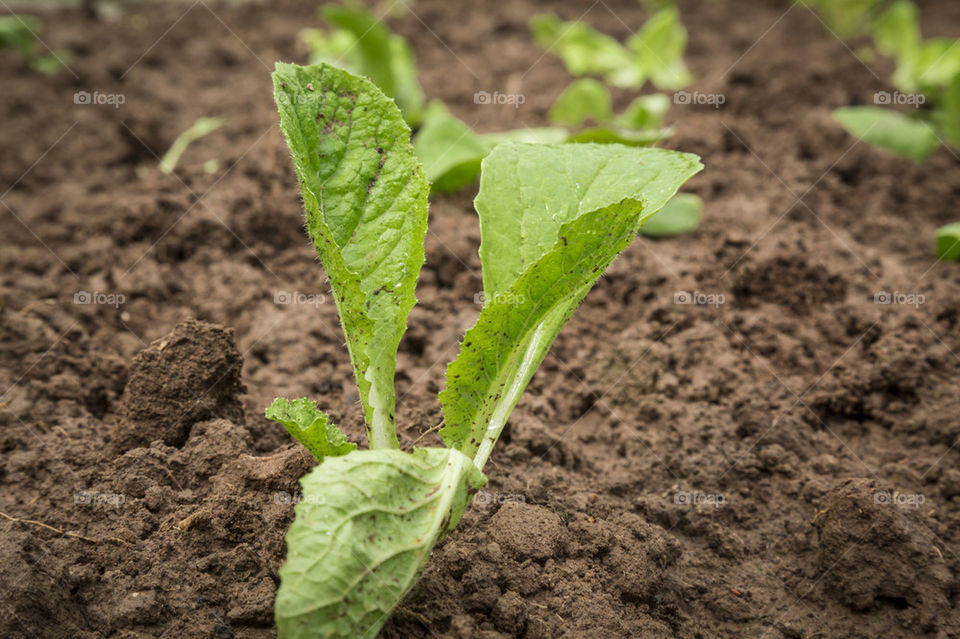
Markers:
point(654, 53)
point(587, 100)
point(19, 34)
point(201, 128)
point(552, 219)
point(891, 130)
point(679, 216)
point(928, 74)
point(847, 18)
point(948, 242)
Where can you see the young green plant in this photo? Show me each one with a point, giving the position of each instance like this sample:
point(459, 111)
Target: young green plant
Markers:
point(552, 219)
point(927, 75)
point(19, 33)
point(654, 53)
point(927, 78)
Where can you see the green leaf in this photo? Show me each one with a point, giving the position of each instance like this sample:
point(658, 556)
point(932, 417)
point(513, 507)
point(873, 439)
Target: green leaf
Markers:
point(890, 130)
point(585, 51)
point(364, 45)
point(451, 152)
point(17, 33)
point(533, 135)
point(362, 534)
point(935, 65)
point(617, 135)
point(659, 48)
point(51, 64)
point(528, 191)
point(846, 18)
point(552, 218)
point(584, 99)
point(947, 112)
point(655, 52)
point(948, 242)
point(330, 46)
point(678, 216)
point(310, 426)
point(365, 197)
point(896, 32)
point(645, 113)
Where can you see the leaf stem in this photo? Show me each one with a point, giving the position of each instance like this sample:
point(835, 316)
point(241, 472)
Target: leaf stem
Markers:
point(499, 418)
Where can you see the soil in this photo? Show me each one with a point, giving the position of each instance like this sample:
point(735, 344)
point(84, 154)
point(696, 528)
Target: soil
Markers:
point(778, 461)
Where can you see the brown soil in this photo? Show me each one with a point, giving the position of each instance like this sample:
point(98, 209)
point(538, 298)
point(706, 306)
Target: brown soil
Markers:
point(780, 465)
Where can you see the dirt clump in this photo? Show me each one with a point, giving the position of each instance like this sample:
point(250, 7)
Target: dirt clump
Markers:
point(877, 551)
point(192, 374)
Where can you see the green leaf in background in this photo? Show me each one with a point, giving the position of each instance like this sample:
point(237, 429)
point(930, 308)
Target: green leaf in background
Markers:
point(948, 242)
point(935, 64)
point(365, 197)
point(846, 18)
point(552, 219)
point(587, 99)
point(680, 215)
point(584, 99)
point(890, 130)
point(896, 32)
point(659, 48)
point(332, 46)
point(532, 135)
point(946, 115)
point(362, 534)
point(644, 113)
point(17, 33)
point(586, 51)
point(364, 45)
point(310, 426)
point(618, 135)
point(451, 151)
point(921, 64)
point(654, 53)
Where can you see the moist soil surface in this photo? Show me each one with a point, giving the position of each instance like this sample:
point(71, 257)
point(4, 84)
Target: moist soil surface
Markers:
point(775, 459)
